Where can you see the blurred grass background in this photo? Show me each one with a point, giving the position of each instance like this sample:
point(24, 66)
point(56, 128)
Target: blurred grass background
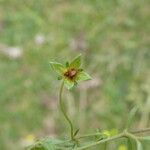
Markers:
point(113, 37)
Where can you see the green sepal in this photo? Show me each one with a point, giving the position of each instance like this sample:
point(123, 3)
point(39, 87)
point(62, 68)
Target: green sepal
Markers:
point(68, 84)
point(80, 69)
point(67, 64)
point(83, 76)
point(59, 77)
point(57, 67)
point(76, 63)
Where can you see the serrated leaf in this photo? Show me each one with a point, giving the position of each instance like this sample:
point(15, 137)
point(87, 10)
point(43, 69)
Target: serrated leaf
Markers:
point(83, 76)
point(76, 63)
point(68, 84)
point(57, 67)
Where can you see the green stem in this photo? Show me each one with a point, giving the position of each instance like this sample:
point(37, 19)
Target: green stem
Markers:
point(147, 130)
point(102, 141)
point(105, 146)
point(125, 134)
point(89, 135)
point(64, 112)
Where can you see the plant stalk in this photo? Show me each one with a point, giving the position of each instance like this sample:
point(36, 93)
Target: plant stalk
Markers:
point(124, 134)
point(147, 130)
point(64, 111)
point(101, 141)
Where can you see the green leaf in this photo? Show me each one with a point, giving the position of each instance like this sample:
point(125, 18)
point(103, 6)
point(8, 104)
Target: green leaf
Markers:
point(59, 78)
point(45, 144)
point(83, 76)
point(131, 117)
point(67, 64)
point(68, 84)
point(76, 132)
point(57, 67)
point(76, 63)
point(106, 134)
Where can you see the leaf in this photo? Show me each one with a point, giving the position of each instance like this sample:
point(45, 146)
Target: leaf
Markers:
point(57, 67)
point(59, 78)
point(131, 117)
point(68, 84)
point(83, 76)
point(76, 63)
point(76, 132)
point(106, 133)
point(67, 64)
point(46, 144)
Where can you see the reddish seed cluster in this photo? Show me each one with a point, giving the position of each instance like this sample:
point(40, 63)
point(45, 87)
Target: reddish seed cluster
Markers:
point(71, 73)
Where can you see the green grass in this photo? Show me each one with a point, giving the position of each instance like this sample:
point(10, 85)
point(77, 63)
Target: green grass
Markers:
point(116, 36)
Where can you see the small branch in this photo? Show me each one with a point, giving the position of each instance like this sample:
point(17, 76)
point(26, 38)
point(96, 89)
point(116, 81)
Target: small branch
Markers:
point(129, 135)
point(89, 135)
point(102, 141)
point(97, 134)
point(140, 131)
point(125, 134)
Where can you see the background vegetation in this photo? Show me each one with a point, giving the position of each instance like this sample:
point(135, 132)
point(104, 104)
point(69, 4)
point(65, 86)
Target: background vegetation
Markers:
point(113, 37)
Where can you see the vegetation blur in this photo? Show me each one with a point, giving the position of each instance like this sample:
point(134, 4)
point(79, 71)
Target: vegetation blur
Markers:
point(113, 38)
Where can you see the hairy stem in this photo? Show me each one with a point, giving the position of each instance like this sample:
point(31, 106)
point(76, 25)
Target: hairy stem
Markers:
point(89, 135)
point(124, 134)
point(147, 130)
point(101, 141)
point(64, 111)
